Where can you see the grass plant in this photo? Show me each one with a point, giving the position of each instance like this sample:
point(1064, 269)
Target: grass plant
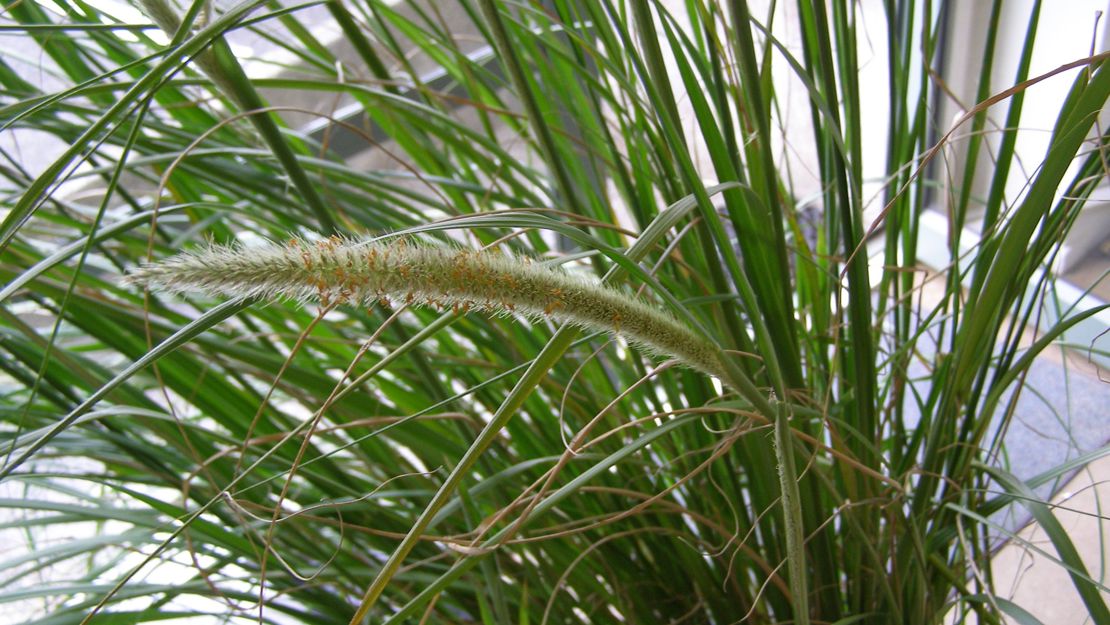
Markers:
point(575, 351)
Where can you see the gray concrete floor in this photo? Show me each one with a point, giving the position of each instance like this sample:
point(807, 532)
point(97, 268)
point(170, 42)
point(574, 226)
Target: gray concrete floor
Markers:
point(1032, 580)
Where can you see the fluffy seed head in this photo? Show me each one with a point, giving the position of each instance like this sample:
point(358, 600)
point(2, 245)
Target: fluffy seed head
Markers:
point(343, 271)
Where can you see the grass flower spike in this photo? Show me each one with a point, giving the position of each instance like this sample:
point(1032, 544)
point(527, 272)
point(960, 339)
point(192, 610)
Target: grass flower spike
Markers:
point(344, 271)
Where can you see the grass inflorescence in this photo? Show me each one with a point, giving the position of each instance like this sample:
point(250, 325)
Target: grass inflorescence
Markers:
point(344, 271)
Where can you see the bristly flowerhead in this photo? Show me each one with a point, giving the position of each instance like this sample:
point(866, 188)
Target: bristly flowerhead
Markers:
point(338, 271)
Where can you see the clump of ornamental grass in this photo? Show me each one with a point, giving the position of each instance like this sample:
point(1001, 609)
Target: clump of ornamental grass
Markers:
point(338, 271)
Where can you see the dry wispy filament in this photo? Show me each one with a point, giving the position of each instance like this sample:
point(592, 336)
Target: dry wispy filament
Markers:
point(342, 271)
